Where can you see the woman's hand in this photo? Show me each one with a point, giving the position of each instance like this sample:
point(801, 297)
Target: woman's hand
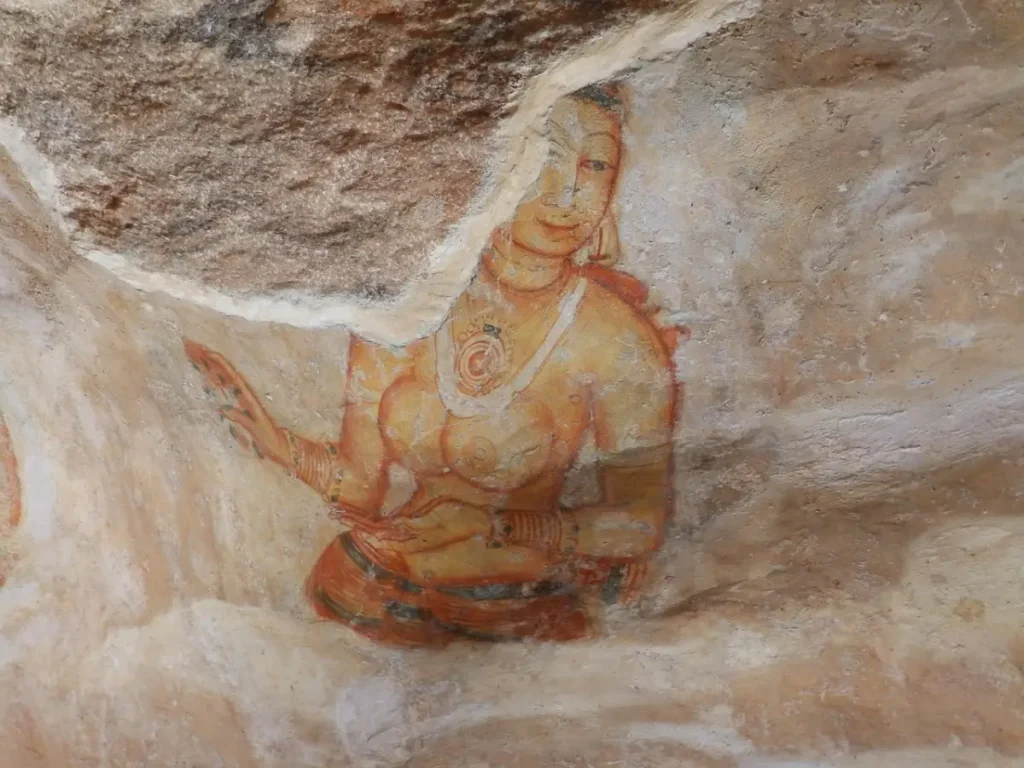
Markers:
point(629, 576)
point(447, 522)
point(251, 425)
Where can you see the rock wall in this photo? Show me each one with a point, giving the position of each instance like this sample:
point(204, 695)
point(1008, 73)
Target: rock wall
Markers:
point(250, 143)
point(826, 198)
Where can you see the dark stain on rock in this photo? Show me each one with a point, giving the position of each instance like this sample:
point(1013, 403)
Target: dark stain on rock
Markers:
point(375, 291)
point(244, 29)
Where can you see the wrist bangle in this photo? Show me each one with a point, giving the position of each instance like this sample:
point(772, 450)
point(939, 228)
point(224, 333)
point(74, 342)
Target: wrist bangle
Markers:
point(294, 453)
point(311, 463)
point(551, 531)
point(538, 530)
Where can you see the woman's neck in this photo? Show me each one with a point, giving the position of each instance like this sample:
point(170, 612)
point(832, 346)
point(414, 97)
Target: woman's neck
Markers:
point(512, 266)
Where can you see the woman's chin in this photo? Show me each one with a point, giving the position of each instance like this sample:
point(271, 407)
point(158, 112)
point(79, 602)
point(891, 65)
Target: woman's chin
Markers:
point(548, 246)
point(550, 250)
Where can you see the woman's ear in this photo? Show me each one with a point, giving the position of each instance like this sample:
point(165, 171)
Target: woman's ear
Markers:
point(603, 247)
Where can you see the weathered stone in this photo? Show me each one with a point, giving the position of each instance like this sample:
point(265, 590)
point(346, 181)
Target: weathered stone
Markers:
point(264, 145)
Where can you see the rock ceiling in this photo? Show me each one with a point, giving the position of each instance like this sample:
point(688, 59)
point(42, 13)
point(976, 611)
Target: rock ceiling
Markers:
point(263, 145)
point(327, 148)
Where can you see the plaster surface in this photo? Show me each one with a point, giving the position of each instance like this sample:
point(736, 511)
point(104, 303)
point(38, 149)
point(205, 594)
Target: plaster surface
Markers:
point(836, 221)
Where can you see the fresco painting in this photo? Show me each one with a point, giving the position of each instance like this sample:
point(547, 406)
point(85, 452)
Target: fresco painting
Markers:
point(550, 346)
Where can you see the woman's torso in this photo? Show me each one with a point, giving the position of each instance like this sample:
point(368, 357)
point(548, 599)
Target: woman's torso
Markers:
point(514, 455)
point(515, 450)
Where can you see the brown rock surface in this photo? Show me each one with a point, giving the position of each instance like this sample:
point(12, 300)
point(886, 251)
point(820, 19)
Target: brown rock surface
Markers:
point(831, 197)
point(264, 145)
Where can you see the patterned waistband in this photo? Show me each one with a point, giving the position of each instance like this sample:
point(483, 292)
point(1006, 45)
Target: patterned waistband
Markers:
point(504, 591)
point(407, 613)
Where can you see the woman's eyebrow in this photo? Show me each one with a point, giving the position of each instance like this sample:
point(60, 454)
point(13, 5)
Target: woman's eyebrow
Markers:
point(561, 133)
point(610, 135)
point(560, 143)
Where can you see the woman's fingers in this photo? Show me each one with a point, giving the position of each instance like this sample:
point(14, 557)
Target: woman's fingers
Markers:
point(210, 363)
point(425, 522)
point(242, 429)
point(239, 416)
point(251, 426)
point(196, 352)
point(242, 439)
point(357, 519)
point(247, 430)
point(221, 374)
point(389, 531)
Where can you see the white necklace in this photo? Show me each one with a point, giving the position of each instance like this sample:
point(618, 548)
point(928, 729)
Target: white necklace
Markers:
point(465, 406)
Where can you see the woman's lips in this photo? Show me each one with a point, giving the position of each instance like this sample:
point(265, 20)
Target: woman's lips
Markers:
point(558, 226)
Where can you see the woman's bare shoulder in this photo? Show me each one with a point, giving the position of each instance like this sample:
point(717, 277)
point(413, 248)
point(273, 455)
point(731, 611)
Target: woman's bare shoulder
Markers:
point(377, 364)
point(606, 321)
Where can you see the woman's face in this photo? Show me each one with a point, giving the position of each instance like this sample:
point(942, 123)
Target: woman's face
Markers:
point(567, 202)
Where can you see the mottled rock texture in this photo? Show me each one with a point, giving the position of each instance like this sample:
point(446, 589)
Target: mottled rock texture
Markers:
point(830, 195)
point(262, 145)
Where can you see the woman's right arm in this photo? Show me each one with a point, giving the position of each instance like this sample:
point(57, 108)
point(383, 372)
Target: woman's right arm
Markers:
point(350, 473)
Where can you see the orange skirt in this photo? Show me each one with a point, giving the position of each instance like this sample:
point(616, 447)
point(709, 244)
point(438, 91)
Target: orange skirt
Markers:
point(349, 584)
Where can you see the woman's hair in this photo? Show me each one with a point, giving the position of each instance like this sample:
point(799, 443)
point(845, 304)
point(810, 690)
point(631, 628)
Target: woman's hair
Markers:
point(607, 95)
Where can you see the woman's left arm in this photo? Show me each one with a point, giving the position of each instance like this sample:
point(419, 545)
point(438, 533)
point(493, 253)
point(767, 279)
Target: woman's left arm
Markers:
point(633, 408)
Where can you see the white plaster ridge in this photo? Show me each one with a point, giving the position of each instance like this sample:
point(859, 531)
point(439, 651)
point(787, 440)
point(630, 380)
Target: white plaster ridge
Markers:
point(854, 443)
point(423, 306)
point(36, 169)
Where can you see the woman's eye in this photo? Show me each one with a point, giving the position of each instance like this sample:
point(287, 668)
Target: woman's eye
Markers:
point(596, 165)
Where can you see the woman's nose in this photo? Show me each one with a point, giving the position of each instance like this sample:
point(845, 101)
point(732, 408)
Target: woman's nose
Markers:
point(564, 187)
point(566, 192)
point(558, 187)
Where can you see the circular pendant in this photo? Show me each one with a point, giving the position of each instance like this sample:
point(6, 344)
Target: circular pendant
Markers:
point(481, 362)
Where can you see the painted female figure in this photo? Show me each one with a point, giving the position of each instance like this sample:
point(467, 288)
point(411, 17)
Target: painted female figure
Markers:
point(489, 415)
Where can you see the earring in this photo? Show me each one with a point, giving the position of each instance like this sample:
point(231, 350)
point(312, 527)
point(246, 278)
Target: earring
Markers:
point(603, 247)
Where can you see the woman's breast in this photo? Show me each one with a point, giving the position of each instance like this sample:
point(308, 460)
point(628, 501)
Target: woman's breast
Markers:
point(499, 451)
